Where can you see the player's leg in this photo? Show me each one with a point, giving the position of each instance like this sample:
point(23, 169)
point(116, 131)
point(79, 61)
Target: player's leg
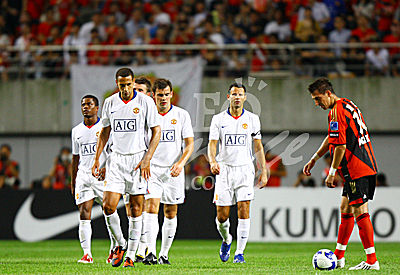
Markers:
point(168, 231)
point(151, 229)
point(222, 222)
point(142, 247)
point(135, 227)
point(85, 230)
point(345, 229)
point(243, 230)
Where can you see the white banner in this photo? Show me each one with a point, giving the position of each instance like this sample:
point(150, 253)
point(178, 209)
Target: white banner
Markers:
point(287, 214)
point(186, 77)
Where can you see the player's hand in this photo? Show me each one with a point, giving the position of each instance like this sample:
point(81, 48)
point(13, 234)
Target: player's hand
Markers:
point(95, 169)
point(144, 166)
point(262, 180)
point(176, 169)
point(214, 167)
point(307, 168)
point(102, 174)
point(329, 181)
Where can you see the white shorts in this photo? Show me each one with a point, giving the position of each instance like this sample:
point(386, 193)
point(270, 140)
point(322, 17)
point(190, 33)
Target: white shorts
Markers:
point(171, 190)
point(88, 187)
point(233, 184)
point(121, 177)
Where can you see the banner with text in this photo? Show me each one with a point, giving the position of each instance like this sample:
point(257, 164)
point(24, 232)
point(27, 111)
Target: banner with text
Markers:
point(186, 77)
point(313, 215)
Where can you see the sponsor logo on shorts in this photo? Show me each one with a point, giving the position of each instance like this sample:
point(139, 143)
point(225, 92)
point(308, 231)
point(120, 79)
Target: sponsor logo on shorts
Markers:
point(235, 140)
point(88, 149)
point(245, 126)
point(125, 125)
point(167, 136)
point(173, 121)
point(136, 110)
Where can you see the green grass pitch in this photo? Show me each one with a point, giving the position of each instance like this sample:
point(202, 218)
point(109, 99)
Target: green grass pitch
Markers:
point(187, 257)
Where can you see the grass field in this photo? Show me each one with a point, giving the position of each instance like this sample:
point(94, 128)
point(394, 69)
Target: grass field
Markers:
point(187, 257)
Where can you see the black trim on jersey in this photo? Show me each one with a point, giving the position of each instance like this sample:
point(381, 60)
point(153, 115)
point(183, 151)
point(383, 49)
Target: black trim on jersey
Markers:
point(369, 144)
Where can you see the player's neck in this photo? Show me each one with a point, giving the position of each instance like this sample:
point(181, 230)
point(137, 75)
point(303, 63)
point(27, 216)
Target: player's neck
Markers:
point(236, 112)
point(90, 121)
point(334, 99)
point(126, 99)
point(163, 111)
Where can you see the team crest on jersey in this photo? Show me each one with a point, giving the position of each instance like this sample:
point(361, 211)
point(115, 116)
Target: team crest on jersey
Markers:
point(173, 121)
point(244, 125)
point(97, 134)
point(77, 196)
point(105, 182)
point(136, 110)
point(334, 126)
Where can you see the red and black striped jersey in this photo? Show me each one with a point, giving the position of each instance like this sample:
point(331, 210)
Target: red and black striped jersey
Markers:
point(347, 127)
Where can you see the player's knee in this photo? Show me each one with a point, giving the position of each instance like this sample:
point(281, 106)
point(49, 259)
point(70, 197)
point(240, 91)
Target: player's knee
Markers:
point(170, 214)
point(222, 218)
point(108, 209)
point(152, 209)
point(84, 214)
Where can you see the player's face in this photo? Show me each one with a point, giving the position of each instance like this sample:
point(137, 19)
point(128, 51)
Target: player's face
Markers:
point(141, 88)
point(163, 99)
point(89, 108)
point(125, 86)
point(322, 100)
point(237, 97)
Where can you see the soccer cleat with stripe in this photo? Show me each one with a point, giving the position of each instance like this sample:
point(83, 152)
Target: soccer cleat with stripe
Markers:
point(110, 257)
point(340, 263)
point(128, 262)
point(163, 260)
point(224, 252)
point(86, 259)
point(150, 259)
point(139, 258)
point(118, 256)
point(239, 259)
point(365, 266)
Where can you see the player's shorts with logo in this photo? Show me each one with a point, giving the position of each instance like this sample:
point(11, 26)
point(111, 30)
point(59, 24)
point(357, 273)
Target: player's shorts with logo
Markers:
point(360, 190)
point(121, 177)
point(233, 184)
point(88, 187)
point(171, 190)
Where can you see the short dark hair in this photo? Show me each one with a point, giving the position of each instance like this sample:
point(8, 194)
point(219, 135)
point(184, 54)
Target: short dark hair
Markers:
point(321, 85)
point(161, 84)
point(237, 85)
point(95, 99)
point(5, 145)
point(144, 80)
point(124, 72)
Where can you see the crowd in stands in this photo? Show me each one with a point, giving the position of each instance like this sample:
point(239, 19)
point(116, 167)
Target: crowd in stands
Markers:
point(123, 22)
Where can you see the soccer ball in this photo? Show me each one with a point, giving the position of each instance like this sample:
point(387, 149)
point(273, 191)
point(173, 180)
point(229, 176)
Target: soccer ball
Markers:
point(324, 259)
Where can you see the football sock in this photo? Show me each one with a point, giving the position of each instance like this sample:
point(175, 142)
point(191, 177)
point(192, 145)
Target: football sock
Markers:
point(142, 243)
point(243, 230)
point(152, 227)
point(168, 234)
point(112, 241)
point(223, 229)
point(135, 228)
point(85, 235)
point(113, 224)
point(345, 229)
point(366, 232)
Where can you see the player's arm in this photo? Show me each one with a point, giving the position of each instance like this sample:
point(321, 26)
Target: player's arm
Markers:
point(212, 152)
point(74, 168)
point(320, 152)
point(101, 143)
point(144, 164)
point(260, 156)
point(337, 158)
point(176, 169)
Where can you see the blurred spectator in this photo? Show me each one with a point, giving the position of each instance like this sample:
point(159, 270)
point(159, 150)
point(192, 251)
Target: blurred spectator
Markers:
point(336, 8)
point(276, 168)
point(23, 42)
point(320, 60)
point(160, 17)
point(60, 174)
point(304, 181)
point(354, 58)
point(279, 27)
point(141, 37)
point(328, 161)
point(200, 14)
point(364, 8)
point(47, 22)
point(86, 29)
point(4, 54)
point(73, 39)
point(307, 29)
point(377, 61)
point(320, 12)
point(134, 23)
point(111, 8)
point(381, 180)
point(9, 169)
point(235, 65)
point(394, 52)
point(363, 31)
point(384, 11)
point(339, 35)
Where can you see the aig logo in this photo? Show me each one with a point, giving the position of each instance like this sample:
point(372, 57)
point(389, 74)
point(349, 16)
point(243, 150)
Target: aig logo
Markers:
point(167, 136)
point(88, 149)
point(235, 140)
point(125, 125)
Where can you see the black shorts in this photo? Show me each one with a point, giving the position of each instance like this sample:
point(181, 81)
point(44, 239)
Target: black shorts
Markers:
point(360, 190)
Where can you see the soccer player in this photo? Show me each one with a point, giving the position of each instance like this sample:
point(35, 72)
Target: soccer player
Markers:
point(167, 182)
point(124, 116)
point(84, 187)
point(235, 129)
point(349, 144)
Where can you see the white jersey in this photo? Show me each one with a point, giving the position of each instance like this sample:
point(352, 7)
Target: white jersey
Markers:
point(175, 126)
point(128, 120)
point(235, 136)
point(84, 141)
